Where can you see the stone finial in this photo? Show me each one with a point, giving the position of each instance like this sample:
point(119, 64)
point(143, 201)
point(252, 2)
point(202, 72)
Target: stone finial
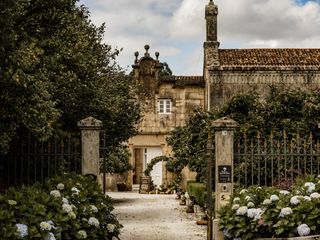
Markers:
point(157, 55)
point(136, 54)
point(90, 123)
point(147, 47)
point(225, 123)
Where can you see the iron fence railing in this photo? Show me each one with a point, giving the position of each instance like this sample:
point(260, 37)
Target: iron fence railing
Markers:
point(30, 160)
point(274, 160)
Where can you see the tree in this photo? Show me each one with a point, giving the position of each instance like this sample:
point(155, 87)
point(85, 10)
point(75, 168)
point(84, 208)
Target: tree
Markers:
point(294, 111)
point(55, 70)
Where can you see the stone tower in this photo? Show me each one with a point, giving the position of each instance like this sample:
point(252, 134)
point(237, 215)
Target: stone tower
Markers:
point(211, 47)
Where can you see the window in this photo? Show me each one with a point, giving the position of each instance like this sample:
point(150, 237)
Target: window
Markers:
point(164, 106)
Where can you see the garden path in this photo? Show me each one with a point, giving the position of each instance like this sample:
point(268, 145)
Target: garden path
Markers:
point(154, 217)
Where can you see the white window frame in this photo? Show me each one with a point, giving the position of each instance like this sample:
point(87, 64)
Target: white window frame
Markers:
point(164, 106)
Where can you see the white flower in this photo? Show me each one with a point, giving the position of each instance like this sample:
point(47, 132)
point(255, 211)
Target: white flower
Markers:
point(252, 212)
point(65, 201)
point(93, 209)
point(266, 202)
point(248, 198)
point(75, 190)
point(111, 227)
point(236, 199)
point(50, 236)
point(72, 215)
point(250, 205)
point(295, 200)
point(303, 230)
point(242, 210)
point(93, 221)
point(284, 192)
point(259, 213)
point(114, 238)
point(55, 193)
point(274, 198)
point(60, 186)
point(82, 234)
point(45, 226)
point(315, 195)
point(310, 187)
point(235, 206)
point(22, 230)
point(66, 208)
point(307, 198)
point(285, 211)
point(12, 202)
point(243, 191)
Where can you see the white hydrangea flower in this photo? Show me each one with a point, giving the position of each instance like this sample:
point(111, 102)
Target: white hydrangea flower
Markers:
point(114, 238)
point(50, 236)
point(252, 212)
point(310, 187)
point(60, 186)
point(295, 200)
point(12, 202)
point(235, 206)
point(75, 190)
point(303, 230)
point(93, 221)
point(242, 210)
point(284, 192)
point(93, 209)
point(315, 195)
point(307, 198)
point(274, 198)
point(285, 211)
point(259, 213)
point(266, 202)
point(248, 198)
point(250, 205)
point(22, 230)
point(65, 200)
point(55, 193)
point(72, 215)
point(66, 208)
point(111, 227)
point(45, 226)
point(82, 234)
point(236, 199)
point(243, 191)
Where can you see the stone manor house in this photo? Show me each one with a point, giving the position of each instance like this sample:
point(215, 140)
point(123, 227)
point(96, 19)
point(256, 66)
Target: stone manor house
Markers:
point(168, 100)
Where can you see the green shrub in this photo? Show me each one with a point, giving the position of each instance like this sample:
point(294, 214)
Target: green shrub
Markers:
point(66, 207)
point(198, 192)
point(259, 212)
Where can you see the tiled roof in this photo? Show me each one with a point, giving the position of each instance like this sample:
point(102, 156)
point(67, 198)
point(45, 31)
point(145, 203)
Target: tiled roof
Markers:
point(293, 58)
point(183, 80)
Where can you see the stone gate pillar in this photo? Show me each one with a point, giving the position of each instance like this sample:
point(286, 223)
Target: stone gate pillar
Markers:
point(224, 131)
point(90, 136)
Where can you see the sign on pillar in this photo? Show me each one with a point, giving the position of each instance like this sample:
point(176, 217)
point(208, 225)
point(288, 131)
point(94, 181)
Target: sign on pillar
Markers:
point(224, 132)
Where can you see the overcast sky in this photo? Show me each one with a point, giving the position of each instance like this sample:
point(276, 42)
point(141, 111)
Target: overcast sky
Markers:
point(176, 28)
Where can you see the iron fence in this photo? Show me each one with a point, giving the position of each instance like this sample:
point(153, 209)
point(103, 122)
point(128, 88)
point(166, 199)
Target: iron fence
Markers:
point(275, 160)
point(30, 160)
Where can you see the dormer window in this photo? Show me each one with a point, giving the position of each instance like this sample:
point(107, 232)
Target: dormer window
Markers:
point(164, 106)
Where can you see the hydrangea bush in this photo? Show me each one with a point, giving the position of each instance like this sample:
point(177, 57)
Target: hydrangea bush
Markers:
point(66, 207)
point(267, 212)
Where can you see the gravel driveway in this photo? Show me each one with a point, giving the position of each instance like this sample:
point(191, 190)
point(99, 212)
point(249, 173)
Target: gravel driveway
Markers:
point(154, 217)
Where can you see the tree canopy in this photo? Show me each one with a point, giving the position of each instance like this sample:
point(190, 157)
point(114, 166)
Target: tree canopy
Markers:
point(55, 70)
point(294, 111)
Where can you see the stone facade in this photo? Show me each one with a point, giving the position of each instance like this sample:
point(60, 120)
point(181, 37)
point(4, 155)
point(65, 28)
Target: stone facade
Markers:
point(231, 71)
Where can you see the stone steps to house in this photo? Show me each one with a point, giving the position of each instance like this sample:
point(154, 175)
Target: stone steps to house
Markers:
point(135, 187)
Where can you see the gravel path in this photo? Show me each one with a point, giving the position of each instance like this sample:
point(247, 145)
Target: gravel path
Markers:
point(154, 217)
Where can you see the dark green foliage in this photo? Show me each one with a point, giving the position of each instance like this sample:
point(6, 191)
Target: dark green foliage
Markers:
point(281, 110)
point(55, 71)
point(197, 191)
point(117, 160)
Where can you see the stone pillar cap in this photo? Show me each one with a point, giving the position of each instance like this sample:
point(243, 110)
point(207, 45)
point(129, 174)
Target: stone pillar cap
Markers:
point(225, 123)
point(90, 123)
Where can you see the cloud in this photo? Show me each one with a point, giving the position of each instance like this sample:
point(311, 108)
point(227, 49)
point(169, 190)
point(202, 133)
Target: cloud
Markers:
point(176, 28)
